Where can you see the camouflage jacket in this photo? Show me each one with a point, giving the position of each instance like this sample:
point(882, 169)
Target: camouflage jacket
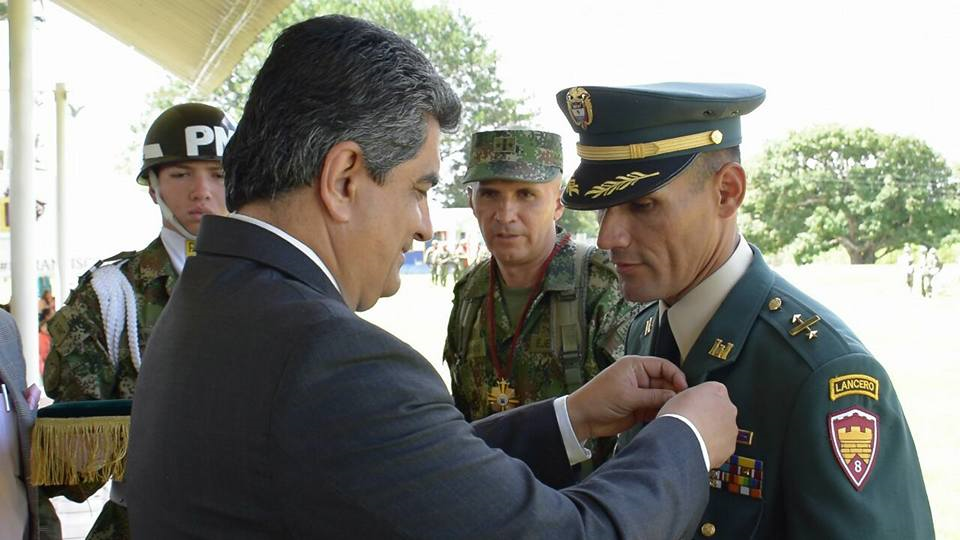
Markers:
point(538, 369)
point(78, 367)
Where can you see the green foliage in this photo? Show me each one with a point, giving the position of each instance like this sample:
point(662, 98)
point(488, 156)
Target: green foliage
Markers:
point(458, 51)
point(577, 221)
point(867, 192)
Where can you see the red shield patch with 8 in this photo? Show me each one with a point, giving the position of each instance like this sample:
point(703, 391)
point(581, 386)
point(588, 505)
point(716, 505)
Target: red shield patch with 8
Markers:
point(854, 437)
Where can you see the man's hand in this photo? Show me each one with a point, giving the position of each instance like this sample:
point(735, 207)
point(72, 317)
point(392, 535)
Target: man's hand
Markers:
point(629, 391)
point(708, 407)
point(32, 395)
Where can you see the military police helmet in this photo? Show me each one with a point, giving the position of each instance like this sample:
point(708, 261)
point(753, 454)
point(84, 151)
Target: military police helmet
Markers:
point(185, 132)
point(635, 139)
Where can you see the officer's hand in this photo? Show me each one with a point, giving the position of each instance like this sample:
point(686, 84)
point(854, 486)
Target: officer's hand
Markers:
point(708, 406)
point(631, 390)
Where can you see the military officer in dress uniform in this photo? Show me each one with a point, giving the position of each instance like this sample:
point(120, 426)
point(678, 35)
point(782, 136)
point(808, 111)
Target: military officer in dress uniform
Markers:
point(101, 332)
point(544, 313)
point(824, 449)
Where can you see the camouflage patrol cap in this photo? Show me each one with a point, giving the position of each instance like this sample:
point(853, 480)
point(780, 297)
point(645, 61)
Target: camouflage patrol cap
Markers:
point(521, 155)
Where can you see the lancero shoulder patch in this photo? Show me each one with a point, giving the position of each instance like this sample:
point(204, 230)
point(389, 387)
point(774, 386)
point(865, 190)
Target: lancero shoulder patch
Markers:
point(854, 383)
point(854, 438)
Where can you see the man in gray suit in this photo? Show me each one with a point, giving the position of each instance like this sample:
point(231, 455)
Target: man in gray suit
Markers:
point(267, 409)
point(18, 408)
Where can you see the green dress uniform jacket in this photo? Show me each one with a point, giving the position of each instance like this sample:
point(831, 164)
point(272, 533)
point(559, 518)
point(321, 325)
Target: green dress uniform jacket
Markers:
point(542, 367)
point(79, 367)
point(824, 449)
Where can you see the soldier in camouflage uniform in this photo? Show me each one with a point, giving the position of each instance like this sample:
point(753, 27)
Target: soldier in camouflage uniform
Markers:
point(543, 314)
point(101, 332)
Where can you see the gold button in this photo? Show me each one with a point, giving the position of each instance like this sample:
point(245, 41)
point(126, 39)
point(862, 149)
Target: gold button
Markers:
point(708, 529)
point(775, 303)
point(716, 136)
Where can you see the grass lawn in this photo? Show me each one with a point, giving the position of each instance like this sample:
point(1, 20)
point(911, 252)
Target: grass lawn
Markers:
point(908, 334)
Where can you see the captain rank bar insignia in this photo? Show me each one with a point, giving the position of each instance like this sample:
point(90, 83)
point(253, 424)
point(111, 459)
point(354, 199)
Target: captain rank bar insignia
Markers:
point(648, 326)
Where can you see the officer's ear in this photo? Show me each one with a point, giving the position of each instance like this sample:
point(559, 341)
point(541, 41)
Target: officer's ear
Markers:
point(470, 193)
point(558, 207)
point(731, 185)
point(336, 185)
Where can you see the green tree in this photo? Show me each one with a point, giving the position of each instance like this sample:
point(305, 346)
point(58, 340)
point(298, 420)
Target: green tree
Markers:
point(450, 40)
point(865, 191)
point(578, 221)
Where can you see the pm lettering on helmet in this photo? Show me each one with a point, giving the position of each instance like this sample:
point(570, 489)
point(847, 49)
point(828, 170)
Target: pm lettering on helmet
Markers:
point(197, 136)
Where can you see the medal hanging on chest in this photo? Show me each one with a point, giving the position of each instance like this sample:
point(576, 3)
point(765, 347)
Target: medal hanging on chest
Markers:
point(502, 396)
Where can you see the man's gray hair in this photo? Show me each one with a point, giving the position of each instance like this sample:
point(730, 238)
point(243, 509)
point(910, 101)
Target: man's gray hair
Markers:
point(328, 80)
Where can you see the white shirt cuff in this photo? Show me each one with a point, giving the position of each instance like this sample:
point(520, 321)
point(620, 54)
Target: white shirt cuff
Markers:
point(576, 453)
point(703, 445)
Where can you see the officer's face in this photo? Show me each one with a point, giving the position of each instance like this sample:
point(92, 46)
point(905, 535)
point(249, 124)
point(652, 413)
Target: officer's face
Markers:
point(517, 219)
point(667, 242)
point(392, 217)
point(192, 189)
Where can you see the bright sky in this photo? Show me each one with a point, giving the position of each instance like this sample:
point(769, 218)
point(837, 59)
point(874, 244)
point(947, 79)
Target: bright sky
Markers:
point(888, 65)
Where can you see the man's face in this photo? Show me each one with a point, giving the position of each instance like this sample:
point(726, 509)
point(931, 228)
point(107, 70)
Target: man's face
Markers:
point(392, 216)
point(517, 219)
point(662, 243)
point(192, 189)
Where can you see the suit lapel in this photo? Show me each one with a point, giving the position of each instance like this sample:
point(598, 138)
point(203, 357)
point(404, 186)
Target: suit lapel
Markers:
point(722, 339)
point(234, 238)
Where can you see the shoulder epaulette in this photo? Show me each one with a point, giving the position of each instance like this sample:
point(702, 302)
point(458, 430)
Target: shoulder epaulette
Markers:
point(814, 332)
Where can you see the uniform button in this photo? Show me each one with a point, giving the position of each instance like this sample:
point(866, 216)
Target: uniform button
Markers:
point(708, 529)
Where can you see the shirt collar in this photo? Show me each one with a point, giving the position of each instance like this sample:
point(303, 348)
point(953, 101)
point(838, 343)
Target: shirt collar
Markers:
point(293, 241)
point(690, 314)
point(176, 247)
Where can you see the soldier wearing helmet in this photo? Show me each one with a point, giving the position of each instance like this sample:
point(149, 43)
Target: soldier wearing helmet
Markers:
point(101, 332)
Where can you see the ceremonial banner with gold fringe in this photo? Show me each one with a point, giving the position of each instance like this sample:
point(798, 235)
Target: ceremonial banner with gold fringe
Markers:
point(80, 442)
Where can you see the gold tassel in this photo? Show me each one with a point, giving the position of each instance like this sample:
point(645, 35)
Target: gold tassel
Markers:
point(72, 451)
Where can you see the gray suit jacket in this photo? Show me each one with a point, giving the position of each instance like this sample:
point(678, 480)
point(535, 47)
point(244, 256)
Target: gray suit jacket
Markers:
point(267, 409)
point(12, 374)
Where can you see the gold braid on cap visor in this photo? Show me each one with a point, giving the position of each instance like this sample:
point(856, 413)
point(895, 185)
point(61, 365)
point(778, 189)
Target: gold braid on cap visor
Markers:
point(650, 149)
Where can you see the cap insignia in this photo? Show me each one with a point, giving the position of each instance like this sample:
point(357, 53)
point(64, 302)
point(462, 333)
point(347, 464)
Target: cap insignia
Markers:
point(505, 148)
point(619, 184)
point(579, 107)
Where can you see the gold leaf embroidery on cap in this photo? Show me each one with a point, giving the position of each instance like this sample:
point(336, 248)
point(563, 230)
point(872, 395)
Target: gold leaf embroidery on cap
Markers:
point(622, 182)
